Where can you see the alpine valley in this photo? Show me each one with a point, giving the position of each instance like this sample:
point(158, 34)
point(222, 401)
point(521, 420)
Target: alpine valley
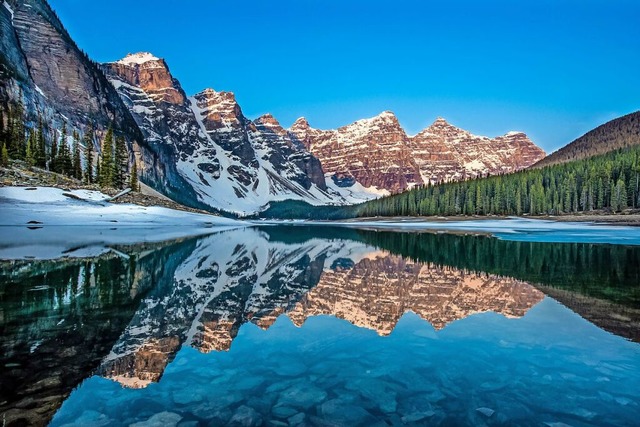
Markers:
point(203, 152)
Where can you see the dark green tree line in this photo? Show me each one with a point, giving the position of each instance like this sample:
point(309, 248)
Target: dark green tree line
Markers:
point(609, 182)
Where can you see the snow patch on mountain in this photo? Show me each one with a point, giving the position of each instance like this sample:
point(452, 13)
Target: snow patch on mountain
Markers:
point(6, 5)
point(138, 58)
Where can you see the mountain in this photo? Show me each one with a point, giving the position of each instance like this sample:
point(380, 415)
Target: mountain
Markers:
point(377, 155)
point(230, 162)
point(617, 133)
point(202, 151)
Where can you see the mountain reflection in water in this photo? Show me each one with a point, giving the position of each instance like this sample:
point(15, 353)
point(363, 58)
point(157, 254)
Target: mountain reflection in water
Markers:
point(254, 279)
point(127, 314)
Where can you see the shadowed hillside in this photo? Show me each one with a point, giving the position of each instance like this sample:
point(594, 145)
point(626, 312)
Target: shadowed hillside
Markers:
point(617, 133)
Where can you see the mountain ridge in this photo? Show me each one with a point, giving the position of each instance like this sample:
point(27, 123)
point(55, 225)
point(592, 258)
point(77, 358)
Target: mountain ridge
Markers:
point(440, 152)
point(231, 162)
point(620, 132)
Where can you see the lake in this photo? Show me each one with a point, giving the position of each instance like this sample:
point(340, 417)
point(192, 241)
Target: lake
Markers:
point(328, 326)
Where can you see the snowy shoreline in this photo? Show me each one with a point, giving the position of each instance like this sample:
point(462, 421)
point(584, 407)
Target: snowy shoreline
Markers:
point(47, 223)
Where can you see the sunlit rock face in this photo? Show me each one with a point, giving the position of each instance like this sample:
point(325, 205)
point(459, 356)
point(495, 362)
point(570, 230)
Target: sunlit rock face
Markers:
point(150, 74)
point(374, 152)
point(378, 154)
point(448, 153)
point(236, 277)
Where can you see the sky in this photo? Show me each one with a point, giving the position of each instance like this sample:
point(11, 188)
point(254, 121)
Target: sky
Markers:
point(554, 69)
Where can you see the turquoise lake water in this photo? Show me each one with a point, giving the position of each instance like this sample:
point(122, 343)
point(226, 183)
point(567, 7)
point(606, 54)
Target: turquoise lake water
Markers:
point(326, 326)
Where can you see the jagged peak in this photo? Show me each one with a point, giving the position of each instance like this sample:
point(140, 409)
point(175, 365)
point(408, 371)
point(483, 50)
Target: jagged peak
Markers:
point(210, 93)
point(267, 119)
point(387, 113)
point(384, 116)
point(515, 133)
point(301, 125)
point(441, 122)
point(301, 122)
point(138, 58)
point(441, 125)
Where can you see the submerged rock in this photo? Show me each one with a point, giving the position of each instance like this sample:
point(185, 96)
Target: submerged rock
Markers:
point(302, 396)
point(417, 416)
point(487, 412)
point(341, 413)
point(245, 417)
point(163, 419)
point(283, 412)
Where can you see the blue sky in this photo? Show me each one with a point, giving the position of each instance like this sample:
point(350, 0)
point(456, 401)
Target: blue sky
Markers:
point(552, 68)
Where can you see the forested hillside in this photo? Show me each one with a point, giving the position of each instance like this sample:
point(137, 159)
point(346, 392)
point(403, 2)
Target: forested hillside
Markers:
point(618, 133)
point(610, 182)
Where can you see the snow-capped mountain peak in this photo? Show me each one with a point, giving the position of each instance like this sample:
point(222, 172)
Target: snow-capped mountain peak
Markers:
point(138, 58)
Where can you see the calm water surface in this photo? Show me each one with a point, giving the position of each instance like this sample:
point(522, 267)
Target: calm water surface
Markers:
point(324, 326)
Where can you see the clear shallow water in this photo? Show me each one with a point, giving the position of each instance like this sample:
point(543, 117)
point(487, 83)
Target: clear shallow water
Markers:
point(325, 326)
point(549, 366)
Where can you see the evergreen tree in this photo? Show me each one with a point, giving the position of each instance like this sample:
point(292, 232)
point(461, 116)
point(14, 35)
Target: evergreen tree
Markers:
point(30, 155)
point(17, 141)
point(88, 156)
point(4, 158)
point(107, 163)
point(63, 161)
point(41, 147)
point(98, 174)
point(76, 165)
point(120, 163)
point(133, 179)
point(619, 197)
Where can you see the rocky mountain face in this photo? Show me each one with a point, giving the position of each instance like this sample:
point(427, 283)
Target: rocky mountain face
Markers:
point(229, 162)
point(41, 67)
point(377, 153)
point(256, 277)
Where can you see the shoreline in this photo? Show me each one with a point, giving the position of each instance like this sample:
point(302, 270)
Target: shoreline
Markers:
point(622, 219)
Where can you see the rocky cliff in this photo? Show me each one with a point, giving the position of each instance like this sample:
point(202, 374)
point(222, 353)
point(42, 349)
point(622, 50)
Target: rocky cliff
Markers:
point(377, 153)
point(42, 66)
